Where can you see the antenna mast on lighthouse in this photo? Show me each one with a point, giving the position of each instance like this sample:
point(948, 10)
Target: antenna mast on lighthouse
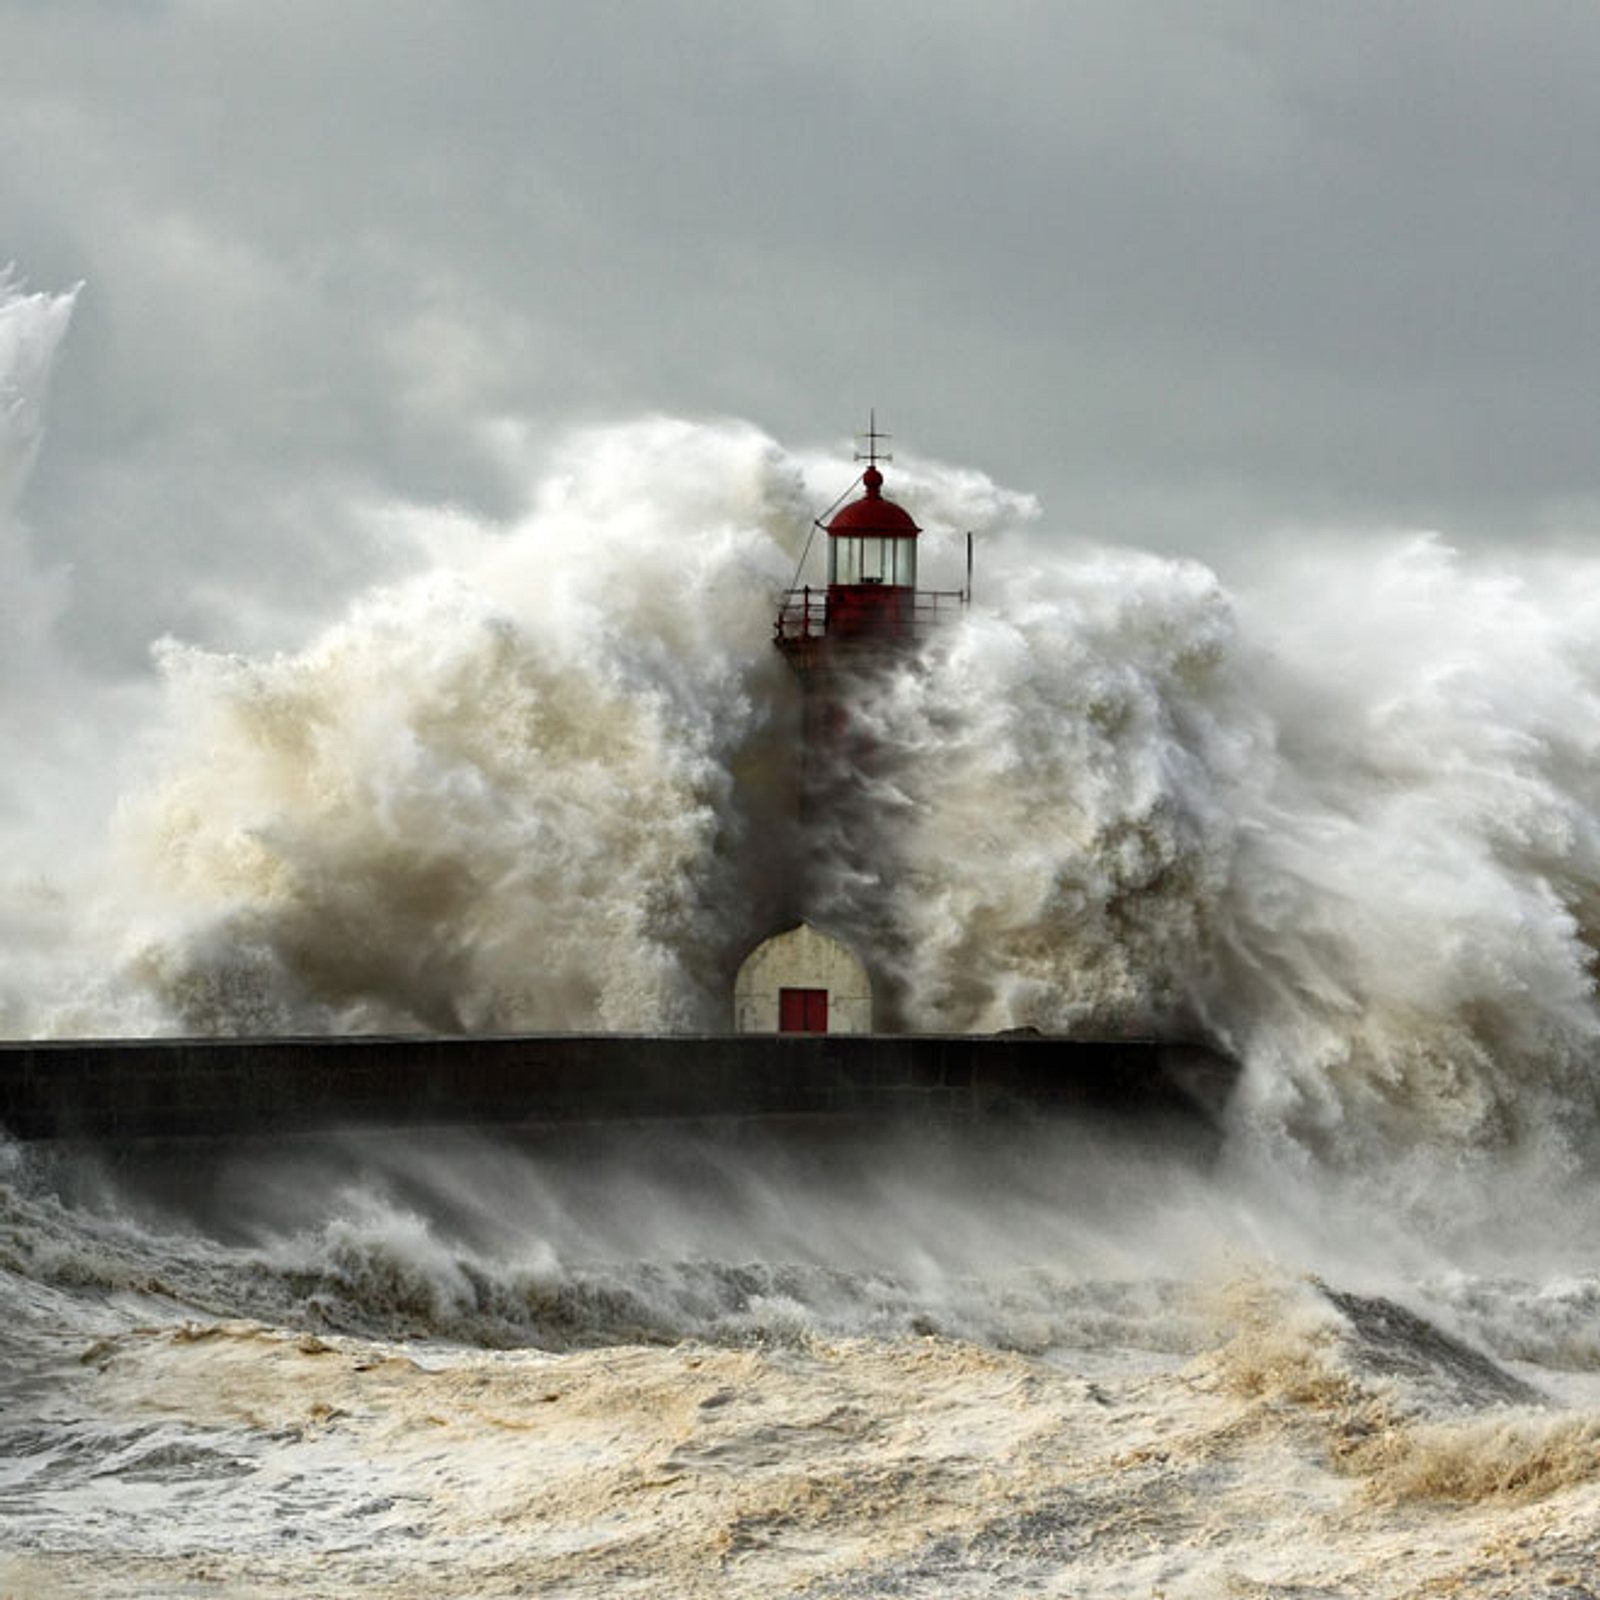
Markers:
point(872, 454)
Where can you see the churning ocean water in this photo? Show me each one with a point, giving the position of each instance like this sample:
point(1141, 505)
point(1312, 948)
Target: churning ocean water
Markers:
point(1344, 823)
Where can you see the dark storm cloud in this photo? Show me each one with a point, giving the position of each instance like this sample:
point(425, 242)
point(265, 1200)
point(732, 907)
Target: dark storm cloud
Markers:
point(1186, 270)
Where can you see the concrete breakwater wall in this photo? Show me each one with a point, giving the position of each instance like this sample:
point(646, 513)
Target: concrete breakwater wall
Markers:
point(123, 1090)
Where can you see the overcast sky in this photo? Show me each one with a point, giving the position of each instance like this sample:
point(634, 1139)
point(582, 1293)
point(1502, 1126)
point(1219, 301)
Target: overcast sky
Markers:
point(1189, 270)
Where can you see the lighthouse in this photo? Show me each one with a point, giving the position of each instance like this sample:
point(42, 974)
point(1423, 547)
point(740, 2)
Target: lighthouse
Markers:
point(866, 619)
point(869, 614)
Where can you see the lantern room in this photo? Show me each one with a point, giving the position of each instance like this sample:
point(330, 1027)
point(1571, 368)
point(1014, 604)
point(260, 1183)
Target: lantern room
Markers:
point(872, 567)
point(872, 541)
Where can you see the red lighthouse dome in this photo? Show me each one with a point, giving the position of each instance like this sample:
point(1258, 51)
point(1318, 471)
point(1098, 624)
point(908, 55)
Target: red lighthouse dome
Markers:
point(872, 514)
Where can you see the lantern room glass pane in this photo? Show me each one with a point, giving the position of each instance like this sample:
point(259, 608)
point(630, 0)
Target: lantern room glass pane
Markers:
point(887, 561)
point(905, 562)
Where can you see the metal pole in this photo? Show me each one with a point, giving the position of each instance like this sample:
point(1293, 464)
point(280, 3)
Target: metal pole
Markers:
point(968, 600)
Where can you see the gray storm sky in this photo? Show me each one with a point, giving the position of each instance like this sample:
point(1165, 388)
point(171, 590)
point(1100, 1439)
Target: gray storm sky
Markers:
point(1190, 272)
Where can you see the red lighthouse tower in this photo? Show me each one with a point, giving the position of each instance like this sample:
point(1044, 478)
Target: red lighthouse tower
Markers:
point(842, 640)
point(870, 613)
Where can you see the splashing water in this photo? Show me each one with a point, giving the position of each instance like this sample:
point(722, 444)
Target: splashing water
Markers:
point(1344, 823)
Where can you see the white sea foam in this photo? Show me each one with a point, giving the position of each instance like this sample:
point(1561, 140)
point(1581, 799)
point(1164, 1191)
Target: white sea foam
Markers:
point(764, 1428)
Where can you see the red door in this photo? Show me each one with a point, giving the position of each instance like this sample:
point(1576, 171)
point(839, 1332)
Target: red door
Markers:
point(802, 1011)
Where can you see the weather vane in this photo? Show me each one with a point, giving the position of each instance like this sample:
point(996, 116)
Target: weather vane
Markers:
point(872, 454)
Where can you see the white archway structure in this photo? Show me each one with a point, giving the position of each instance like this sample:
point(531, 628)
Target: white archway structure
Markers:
point(802, 981)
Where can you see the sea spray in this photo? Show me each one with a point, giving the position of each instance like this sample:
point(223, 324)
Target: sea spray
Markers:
point(31, 329)
point(61, 734)
point(1055, 776)
point(1357, 847)
point(504, 794)
point(1342, 821)
point(550, 783)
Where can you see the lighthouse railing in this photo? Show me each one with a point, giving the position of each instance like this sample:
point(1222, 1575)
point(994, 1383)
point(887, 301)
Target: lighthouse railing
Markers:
point(803, 614)
point(938, 605)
